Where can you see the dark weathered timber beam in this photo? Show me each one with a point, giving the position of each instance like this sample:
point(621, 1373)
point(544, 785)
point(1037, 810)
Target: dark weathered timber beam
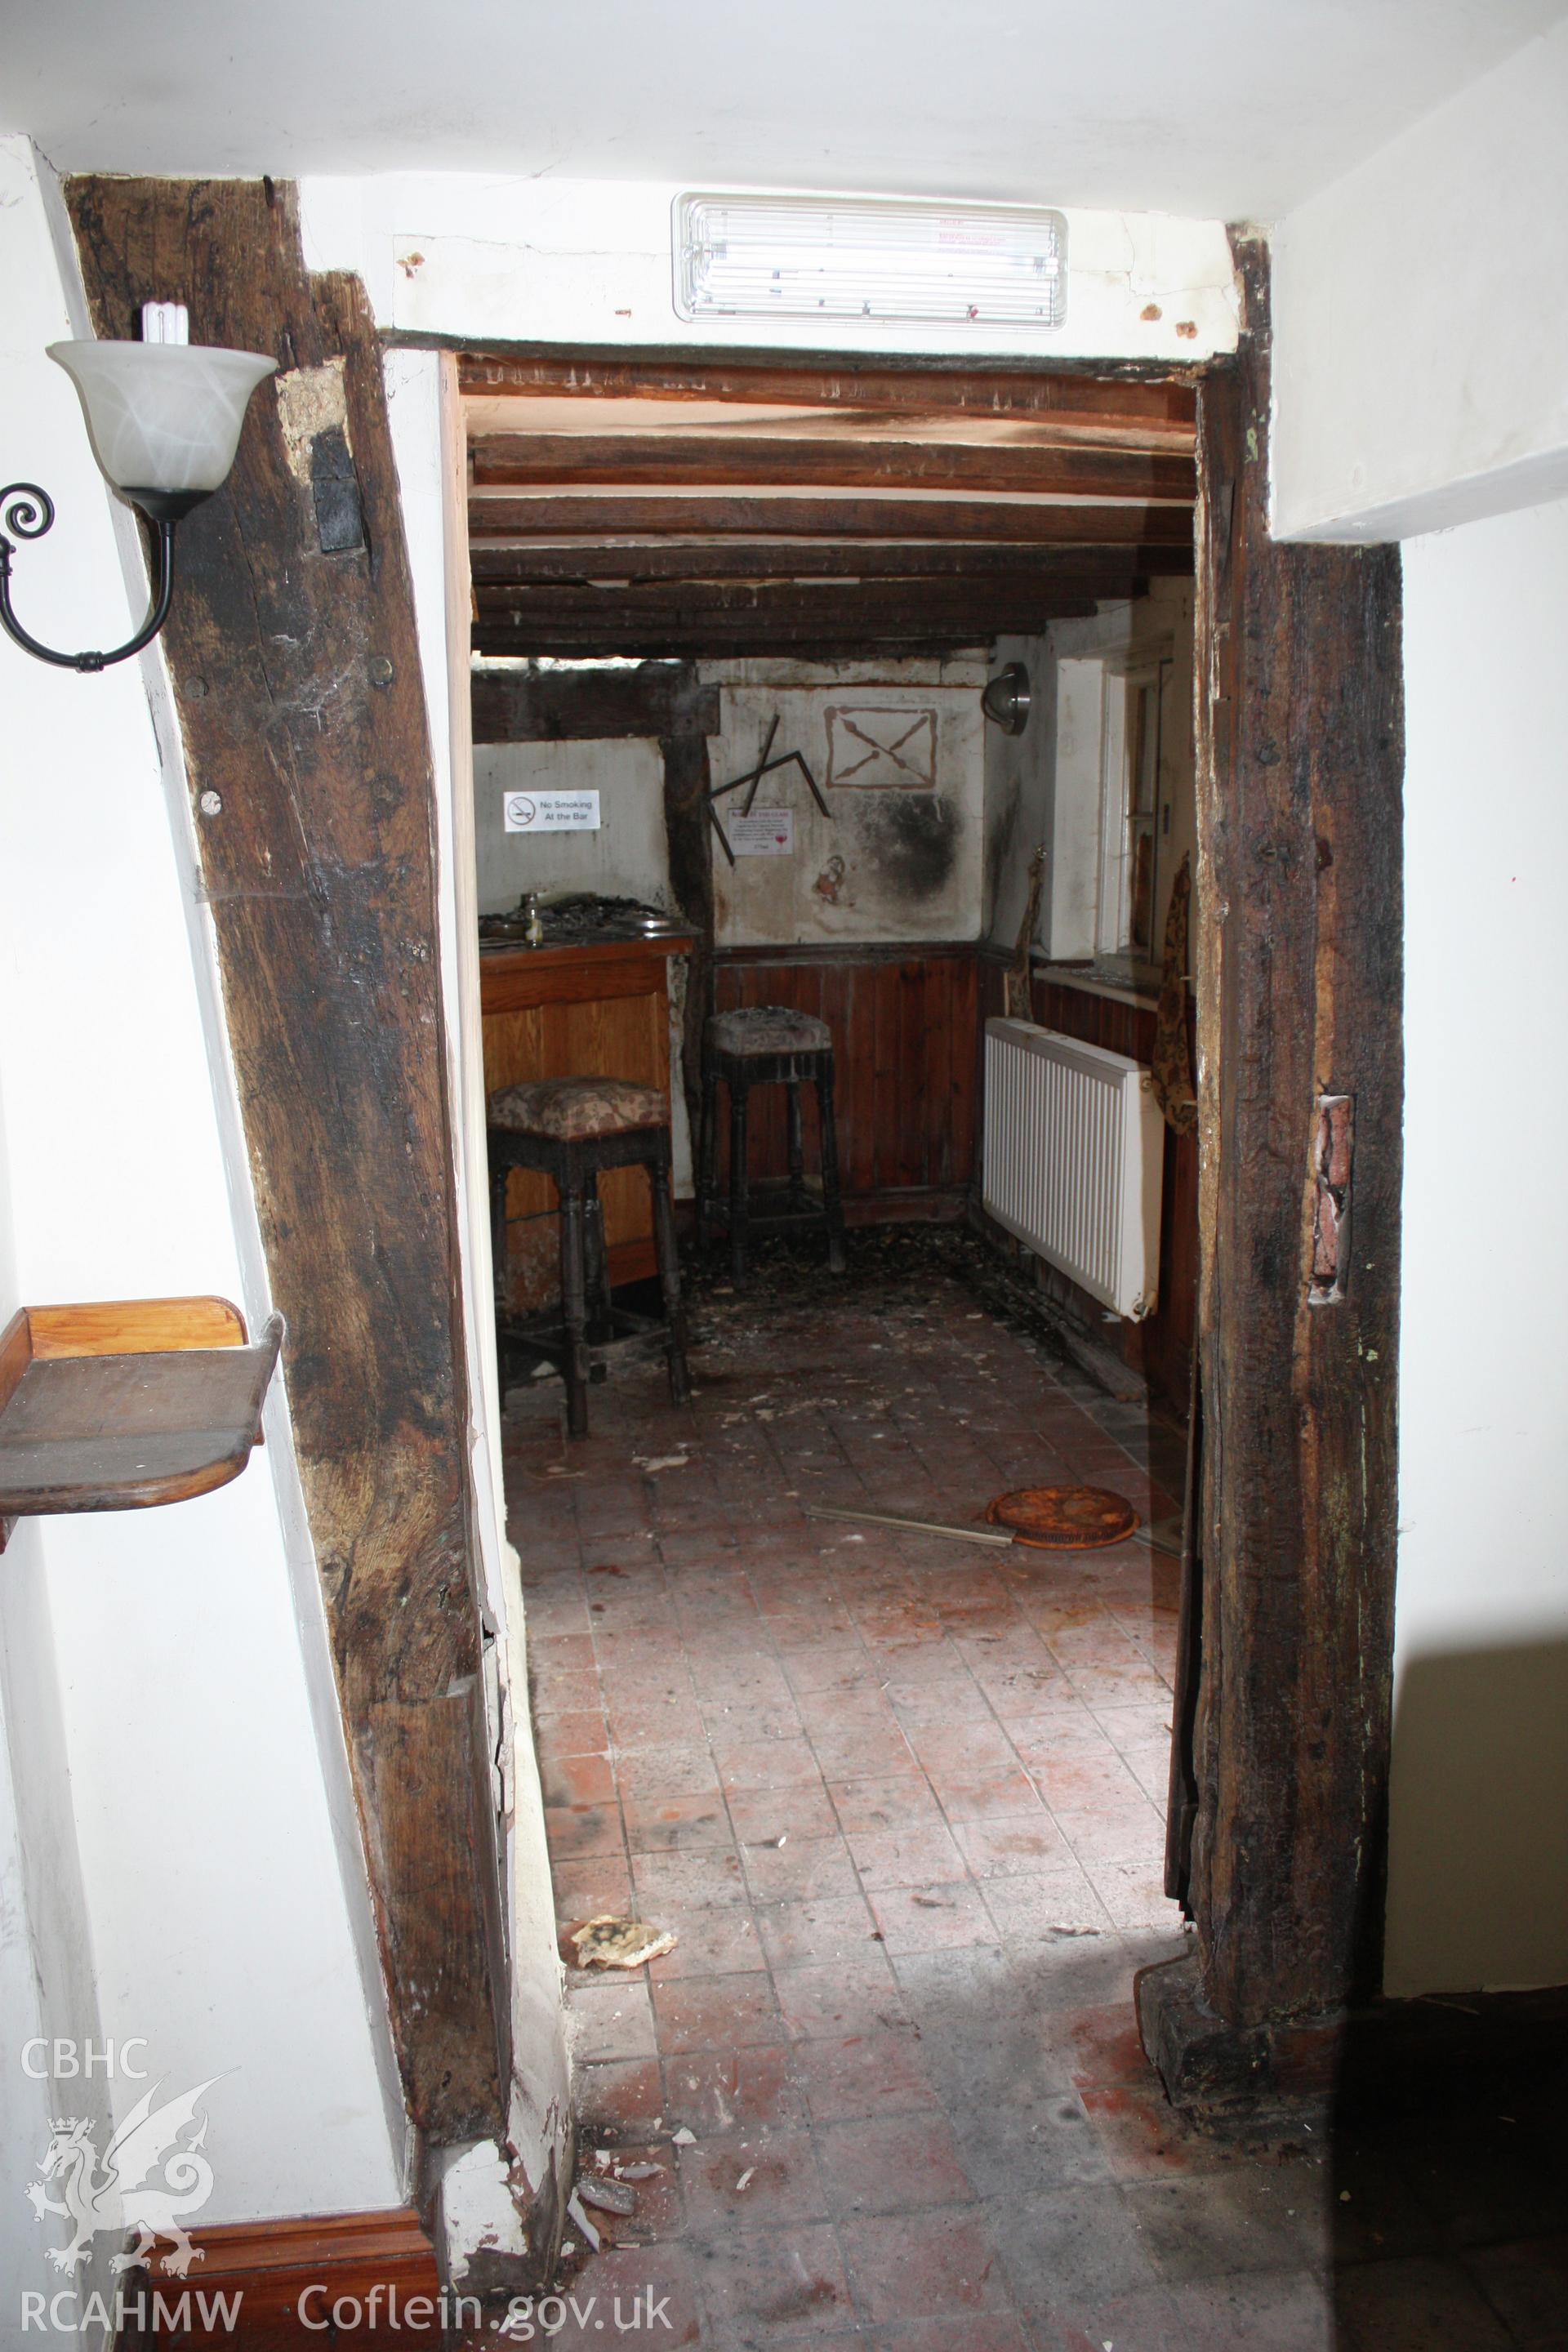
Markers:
point(726, 599)
point(1299, 767)
point(733, 639)
point(1027, 522)
point(960, 390)
point(711, 461)
point(296, 672)
point(593, 706)
point(528, 563)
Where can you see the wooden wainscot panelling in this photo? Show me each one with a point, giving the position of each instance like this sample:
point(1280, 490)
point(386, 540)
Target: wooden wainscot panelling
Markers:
point(903, 1024)
point(582, 1012)
point(273, 2286)
point(1299, 765)
point(296, 670)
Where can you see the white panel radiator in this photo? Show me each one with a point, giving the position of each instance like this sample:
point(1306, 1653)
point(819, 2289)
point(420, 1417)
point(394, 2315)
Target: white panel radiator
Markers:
point(1074, 1159)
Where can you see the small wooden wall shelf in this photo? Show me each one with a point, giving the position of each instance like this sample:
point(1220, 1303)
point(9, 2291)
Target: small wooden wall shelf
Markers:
point(127, 1402)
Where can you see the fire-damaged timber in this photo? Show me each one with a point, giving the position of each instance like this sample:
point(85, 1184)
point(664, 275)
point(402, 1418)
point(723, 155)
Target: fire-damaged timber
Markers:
point(295, 667)
point(1299, 765)
point(591, 705)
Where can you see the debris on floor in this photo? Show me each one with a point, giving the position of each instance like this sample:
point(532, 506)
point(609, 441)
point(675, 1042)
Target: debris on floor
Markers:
point(609, 2195)
point(574, 2208)
point(607, 1942)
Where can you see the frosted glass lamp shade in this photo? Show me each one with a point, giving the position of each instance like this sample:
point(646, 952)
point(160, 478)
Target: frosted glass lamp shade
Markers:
point(164, 419)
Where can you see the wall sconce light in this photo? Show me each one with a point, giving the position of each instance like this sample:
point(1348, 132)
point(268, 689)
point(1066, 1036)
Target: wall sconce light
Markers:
point(1006, 698)
point(164, 419)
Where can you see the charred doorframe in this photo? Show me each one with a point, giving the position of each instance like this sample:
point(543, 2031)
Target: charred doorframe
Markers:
point(1301, 755)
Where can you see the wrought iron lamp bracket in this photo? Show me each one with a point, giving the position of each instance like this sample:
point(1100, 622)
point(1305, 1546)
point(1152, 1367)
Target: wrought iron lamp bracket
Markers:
point(29, 511)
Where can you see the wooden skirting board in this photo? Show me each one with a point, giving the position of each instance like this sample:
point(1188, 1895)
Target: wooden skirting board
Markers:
point(260, 2286)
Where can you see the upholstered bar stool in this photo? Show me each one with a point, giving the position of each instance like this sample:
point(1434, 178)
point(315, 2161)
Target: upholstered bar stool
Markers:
point(571, 1129)
point(767, 1045)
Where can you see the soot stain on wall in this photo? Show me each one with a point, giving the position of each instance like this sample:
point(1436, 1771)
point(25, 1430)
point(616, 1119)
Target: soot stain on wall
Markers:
point(910, 840)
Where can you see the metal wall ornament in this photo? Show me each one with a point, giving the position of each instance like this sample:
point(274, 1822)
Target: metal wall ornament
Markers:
point(764, 766)
point(164, 419)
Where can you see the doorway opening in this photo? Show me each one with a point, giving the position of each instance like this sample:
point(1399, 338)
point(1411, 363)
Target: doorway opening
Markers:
point(898, 1795)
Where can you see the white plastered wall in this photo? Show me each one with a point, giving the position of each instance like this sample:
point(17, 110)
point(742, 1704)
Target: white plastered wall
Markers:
point(1047, 784)
point(1421, 336)
point(886, 864)
point(508, 258)
point(181, 1755)
point(628, 858)
point(1421, 382)
point(1479, 1863)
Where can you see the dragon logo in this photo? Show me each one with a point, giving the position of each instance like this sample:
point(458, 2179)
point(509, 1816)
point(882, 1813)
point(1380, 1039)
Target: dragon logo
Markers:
point(150, 2183)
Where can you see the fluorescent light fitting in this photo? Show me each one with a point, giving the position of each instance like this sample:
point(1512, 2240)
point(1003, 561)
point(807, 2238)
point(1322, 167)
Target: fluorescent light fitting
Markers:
point(842, 259)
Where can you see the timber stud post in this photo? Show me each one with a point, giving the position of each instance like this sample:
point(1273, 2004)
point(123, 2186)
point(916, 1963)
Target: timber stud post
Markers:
point(1299, 725)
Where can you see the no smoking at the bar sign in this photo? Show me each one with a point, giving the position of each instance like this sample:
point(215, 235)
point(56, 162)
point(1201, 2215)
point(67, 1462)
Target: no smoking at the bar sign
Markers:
point(551, 812)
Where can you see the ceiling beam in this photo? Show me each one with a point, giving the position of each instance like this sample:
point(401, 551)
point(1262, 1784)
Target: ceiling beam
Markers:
point(1008, 603)
point(1027, 390)
point(671, 461)
point(707, 638)
point(750, 644)
point(529, 562)
point(1084, 523)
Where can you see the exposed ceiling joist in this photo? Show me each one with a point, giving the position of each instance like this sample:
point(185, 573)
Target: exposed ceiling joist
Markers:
point(523, 563)
point(706, 461)
point(1001, 604)
point(497, 514)
point(1096, 402)
point(652, 507)
point(724, 644)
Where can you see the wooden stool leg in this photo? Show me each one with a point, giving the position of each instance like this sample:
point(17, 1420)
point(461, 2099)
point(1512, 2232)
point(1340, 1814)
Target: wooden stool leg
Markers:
point(738, 1092)
point(498, 1178)
point(670, 1282)
point(575, 1311)
point(796, 1196)
point(832, 1202)
point(596, 1278)
point(707, 1160)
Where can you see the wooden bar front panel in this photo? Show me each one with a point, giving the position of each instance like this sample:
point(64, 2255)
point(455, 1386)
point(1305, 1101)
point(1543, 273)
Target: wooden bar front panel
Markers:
point(590, 1011)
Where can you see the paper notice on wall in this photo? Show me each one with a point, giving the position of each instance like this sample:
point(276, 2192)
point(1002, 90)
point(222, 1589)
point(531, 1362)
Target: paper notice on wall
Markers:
point(766, 833)
point(551, 812)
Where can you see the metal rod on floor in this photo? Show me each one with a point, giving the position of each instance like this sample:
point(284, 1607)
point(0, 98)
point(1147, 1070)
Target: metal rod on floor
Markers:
point(1155, 1540)
point(909, 1527)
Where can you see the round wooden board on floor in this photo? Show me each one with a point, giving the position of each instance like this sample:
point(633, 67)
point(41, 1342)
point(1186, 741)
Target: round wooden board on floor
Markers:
point(1064, 1519)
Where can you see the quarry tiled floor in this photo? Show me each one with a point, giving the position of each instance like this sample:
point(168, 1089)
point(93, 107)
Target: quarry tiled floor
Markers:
point(901, 1799)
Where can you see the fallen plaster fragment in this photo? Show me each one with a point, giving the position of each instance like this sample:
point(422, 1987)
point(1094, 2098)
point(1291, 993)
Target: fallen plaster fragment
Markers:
point(745, 2180)
point(652, 1462)
point(684, 2138)
point(609, 2195)
point(574, 2208)
point(637, 2171)
point(607, 1942)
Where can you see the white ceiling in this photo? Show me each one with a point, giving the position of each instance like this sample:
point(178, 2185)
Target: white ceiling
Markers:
point(1234, 109)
